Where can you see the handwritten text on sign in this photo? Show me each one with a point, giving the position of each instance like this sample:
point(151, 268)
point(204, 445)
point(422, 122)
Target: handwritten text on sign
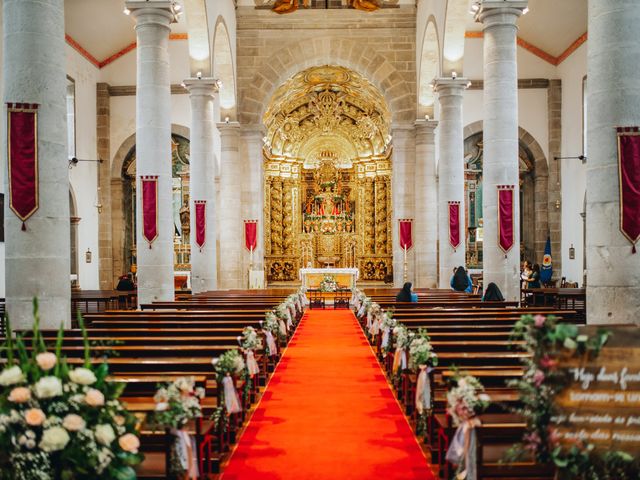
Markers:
point(601, 404)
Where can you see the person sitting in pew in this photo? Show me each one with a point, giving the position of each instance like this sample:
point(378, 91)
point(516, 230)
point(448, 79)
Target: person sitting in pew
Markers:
point(461, 281)
point(126, 284)
point(492, 294)
point(534, 277)
point(406, 295)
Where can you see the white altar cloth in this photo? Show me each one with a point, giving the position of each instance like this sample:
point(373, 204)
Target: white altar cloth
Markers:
point(310, 277)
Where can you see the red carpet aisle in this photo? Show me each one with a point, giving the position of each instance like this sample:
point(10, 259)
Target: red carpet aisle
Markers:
point(328, 413)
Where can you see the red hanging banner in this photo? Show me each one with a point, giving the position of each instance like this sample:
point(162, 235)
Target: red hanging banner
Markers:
point(406, 240)
point(505, 217)
point(454, 224)
point(251, 234)
point(22, 150)
point(201, 222)
point(629, 173)
point(149, 207)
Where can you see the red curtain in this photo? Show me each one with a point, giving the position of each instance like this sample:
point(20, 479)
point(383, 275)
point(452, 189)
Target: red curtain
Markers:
point(629, 171)
point(149, 208)
point(251, 234)
point(454, 224)
point(22, 137)
point(505, 217)
point(406, 240)
point(201, 222)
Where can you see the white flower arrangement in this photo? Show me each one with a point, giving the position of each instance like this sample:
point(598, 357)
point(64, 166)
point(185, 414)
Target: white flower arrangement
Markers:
point(421, 352)
point(250, 340)
point(57, 422)
point(177, 403)
point(466, 399)
point(271, 324)
point(403, 336)
point(328, 284)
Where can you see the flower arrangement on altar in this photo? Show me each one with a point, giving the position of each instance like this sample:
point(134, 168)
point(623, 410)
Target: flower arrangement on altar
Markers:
point(177, 403)
point(328, 284)
point(548, 341)
point(465, 401)
point(58, 422)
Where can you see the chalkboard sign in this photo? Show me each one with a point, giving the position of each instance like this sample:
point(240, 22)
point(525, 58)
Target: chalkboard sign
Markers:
point(601, 403)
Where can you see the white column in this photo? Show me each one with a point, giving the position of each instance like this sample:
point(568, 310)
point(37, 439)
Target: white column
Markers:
point(37, 260)
point(204, 272)
point(613, 272)
point(153, 146)
point(231, 233)
point(403, 166)
point(253, 193)
point(450, 173)
point(426, 196)
point(500, 139)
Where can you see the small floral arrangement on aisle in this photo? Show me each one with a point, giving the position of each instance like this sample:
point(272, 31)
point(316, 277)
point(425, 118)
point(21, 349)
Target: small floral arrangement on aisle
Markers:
point(403, 338)
point(275, 325)
point(271, 329)
point(374, 319)
point(302, 295)
point(228, 366)
point(465, 400)
point(58, 422)
point(424, 359)
point(328, 284)
point(283, 312)
point(388, 324)
point(295, 305)
point(177, 403)
point(365, 305)
point(250, 342)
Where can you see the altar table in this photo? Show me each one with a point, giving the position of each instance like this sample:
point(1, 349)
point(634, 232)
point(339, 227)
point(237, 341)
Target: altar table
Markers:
point(345, 277)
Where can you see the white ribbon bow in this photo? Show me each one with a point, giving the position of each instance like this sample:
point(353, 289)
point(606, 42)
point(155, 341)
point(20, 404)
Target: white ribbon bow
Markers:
point(271, 343)
point(385, 337)
point(231, 399)
point(185, 453)
point(423, 390)
point(399, 359)
point(252, 365)
point(462, 451)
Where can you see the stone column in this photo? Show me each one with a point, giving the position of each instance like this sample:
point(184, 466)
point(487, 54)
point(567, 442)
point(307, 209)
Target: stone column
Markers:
point(231, 234)
point(153, 145)
point(402, 191)
point(613, 272)
point(105, 237)
point(426, 222)
point(37, 259)
point(450, 173)
point(500, 138)
point(204, 273)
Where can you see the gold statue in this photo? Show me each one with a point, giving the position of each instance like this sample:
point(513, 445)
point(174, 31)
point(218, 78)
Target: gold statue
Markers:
point(288, 6)
point(365, 5)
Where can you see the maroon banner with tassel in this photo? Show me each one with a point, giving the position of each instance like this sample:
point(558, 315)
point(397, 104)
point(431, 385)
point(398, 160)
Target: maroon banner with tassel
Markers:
point(201, 222)
point(629, 172)
point(454, 224)
point(22, 149)
point(406, 237)
point(149, 207)
point(505, 217)
point(251, 234)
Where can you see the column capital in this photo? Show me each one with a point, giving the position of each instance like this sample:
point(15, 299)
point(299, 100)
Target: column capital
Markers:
point(500, 12)
point(425, 126)
point(202, 86)
point(450, 86)
point(228, 127)
point(158, 12)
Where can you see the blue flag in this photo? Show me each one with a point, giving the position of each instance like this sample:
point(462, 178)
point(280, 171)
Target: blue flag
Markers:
point(547, 267)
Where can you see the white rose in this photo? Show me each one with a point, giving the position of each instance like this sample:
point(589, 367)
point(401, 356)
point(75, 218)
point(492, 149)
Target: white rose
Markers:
point(73, 422)
point(105, 434)
point(48, 387)
point(82, 376)
point(46, 361)
point(54, 439)
point(11, 376)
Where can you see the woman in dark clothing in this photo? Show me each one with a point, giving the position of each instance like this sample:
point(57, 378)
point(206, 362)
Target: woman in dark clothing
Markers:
point(460, 282)
point(492, 294)
point(534, 277)
point(126, 284)
point(405, 294)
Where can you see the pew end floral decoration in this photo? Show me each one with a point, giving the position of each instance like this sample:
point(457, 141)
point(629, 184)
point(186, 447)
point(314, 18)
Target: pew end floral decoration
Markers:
point(422, 359)
point(550, 342)
point(177, 403)
point(465, 401)
point(272, 329)
point(250, 342)
point(388, 324)
point(228, 367)
point(59, 420)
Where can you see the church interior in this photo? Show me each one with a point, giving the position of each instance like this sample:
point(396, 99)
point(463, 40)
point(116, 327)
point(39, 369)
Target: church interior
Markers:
point(320, 239)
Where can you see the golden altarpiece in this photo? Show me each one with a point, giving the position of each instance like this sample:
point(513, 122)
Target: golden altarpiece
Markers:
point(327, 176)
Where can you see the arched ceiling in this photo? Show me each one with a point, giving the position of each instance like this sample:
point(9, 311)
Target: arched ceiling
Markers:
point(223, 70)
point(429, 69)
point(327, 109)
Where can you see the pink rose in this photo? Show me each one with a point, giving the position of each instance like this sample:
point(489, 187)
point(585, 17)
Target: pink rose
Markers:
point(94, 398)
point(20, 395)
point(538, 378)
point(34, 417)
point(129, 443)
point(548, 362)
point(554, 436)
point(46, 361)
point(539, 321)
point(73, 422)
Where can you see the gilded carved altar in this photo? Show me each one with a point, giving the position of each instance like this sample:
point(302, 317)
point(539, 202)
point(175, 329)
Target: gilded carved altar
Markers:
point(327, 176)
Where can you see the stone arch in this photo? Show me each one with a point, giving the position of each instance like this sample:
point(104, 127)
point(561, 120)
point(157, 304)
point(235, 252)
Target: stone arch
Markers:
point(223, 69)
point(429, 68)
point(287, 61)
point(198, 40)
point(538, 160)
point(456, 19)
